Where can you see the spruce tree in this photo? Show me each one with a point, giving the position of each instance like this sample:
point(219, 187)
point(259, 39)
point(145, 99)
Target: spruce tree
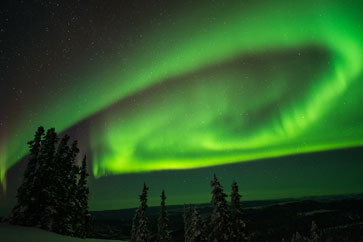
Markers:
point(220, 229)
point(187, 223)
point(143, 234)
point(187, 216)
point(237, 224)
point(54, 192)
point(140, 231)
point(26, 196)
point(197, 233)
point(60, 160)
point(296, 237)
point(135, 224)
point(71, 185)
point(83, 215)
point(315, 234)
point(46, 182)
point(163, 228)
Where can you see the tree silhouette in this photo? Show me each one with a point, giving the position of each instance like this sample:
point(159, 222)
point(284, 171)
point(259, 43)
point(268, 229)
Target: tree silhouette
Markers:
point(296, 237)
point(83, 216)
point(140, 231)
point(220, 229)
point(46, 179)
point(197, 227)
point(62, 186)
point(23, 212)
point(237, 224)
point(54, 192)
point(163, 228)
point(135, 224)
point(187, 223)
point(315, 234)
point(69, 197)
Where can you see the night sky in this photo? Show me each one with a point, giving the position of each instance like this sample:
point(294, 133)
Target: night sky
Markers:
point(269, 93)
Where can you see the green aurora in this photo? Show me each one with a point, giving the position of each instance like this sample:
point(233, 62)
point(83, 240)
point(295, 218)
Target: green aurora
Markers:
point(216, 84)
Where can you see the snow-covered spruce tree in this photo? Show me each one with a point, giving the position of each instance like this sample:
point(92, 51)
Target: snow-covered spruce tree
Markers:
point(220, 226)
point(187, 223)
point(26, 198)
point(135, 224)
point(237, 224)
point(82, 214)
point(65, 180)
point(140, 231)
point(60, 160)
point(315, 233)
point(71, 202)
point(143, 234)
point(46, 179)
point(164, 234)
point(296, 237)
point(50, 196)
point(197, 233)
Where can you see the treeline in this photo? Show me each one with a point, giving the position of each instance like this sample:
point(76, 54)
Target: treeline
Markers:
point(54, 196)
point(225, 223)
point(54, 192)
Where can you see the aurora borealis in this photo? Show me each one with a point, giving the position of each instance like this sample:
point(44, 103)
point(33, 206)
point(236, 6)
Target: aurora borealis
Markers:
point(160, 86)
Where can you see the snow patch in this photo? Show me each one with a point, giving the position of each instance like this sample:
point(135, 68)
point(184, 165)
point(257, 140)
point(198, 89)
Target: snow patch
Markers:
point(11, 233)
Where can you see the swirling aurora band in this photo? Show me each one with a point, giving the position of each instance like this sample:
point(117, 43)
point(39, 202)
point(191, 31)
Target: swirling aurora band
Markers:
point(180, 108)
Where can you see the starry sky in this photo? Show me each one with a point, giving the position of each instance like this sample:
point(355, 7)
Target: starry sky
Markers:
point(264, 92)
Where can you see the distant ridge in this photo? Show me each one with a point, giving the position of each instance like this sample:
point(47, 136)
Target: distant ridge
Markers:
point(127, 213)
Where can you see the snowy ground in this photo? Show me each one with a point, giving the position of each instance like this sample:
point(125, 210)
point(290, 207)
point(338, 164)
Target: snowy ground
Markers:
point(10, 233)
